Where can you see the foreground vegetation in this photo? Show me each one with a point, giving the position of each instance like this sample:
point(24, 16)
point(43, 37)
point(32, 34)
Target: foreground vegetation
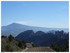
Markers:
point(57, 41)
point(60, 48)
point(9, 44)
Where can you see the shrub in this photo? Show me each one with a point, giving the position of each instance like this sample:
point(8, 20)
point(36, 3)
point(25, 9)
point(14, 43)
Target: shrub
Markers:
point(10, 37)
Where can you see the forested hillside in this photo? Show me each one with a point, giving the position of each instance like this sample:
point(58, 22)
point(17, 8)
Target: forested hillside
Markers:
point(44, 39)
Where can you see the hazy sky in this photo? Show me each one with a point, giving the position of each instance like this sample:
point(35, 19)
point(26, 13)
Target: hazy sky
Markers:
point(52, 14)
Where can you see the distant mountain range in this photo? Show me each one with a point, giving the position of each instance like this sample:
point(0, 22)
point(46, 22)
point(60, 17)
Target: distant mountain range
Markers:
point(16, 28)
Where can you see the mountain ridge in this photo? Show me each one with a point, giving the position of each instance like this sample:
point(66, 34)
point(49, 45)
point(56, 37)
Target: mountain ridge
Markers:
point(29, 25)
point(16, 28)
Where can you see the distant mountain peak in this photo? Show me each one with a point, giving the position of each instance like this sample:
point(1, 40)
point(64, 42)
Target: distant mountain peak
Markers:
point(14, 24)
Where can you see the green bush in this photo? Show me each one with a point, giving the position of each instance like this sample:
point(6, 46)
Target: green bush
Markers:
point(8, 48)
point(63, 47)
point(34, 45)
point(22, 44)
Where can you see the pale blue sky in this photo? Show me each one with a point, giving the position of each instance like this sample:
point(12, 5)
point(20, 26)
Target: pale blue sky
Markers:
point(51, 14)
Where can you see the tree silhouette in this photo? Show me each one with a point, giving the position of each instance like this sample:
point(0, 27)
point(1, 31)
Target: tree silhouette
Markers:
point(10, 37)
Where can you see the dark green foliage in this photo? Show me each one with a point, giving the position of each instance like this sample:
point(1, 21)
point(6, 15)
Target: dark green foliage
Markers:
point(22, 45)
point(60, 48)
point(10, 37)
point(8, 48)
point(54, 46)
point(9, 44)
point(63, 42)
point(3, 36)
point(34, 45)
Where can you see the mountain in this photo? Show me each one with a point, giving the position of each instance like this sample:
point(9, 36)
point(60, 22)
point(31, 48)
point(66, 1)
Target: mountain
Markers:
point(16, 28)
point(43, 39)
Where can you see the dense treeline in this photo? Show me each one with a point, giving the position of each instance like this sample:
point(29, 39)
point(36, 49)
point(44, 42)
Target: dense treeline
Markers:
point(10, 44)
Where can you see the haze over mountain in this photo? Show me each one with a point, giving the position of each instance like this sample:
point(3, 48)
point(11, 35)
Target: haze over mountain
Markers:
point(16, 28)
